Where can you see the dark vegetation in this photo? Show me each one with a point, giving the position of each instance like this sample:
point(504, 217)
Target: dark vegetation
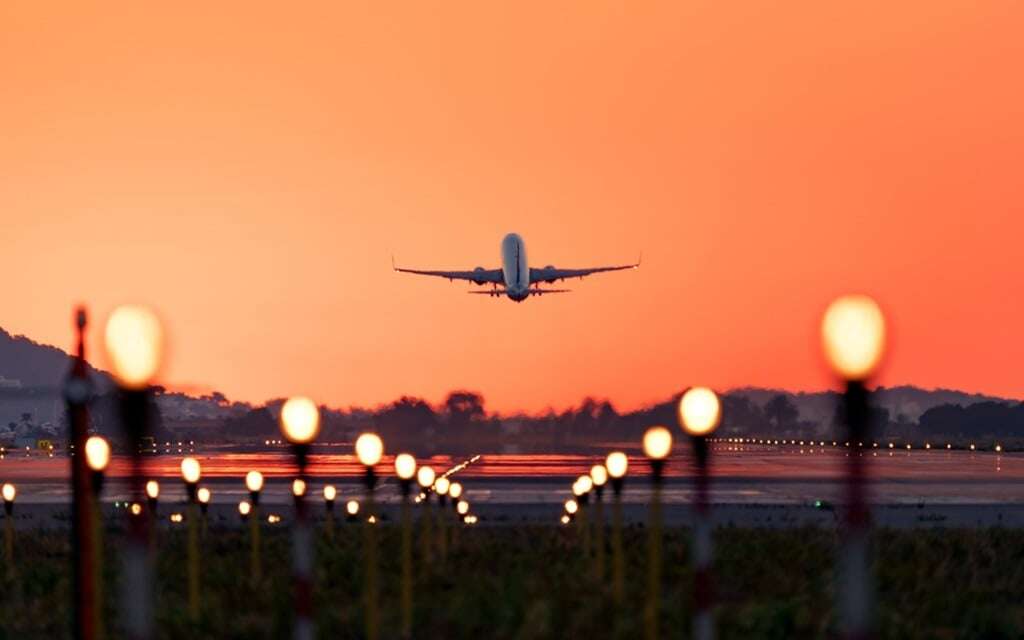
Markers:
point(533, 582)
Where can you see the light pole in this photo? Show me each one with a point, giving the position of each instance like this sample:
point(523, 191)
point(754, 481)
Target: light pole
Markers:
point(425, 478)
point(441, 486)
point(152, 496)
point(617, 464)
point(191, 472)
point(599, 476)
point(134, 340)
point(454, 493)
point(369, 451)
point(9, 493)
point(405, 469)
point(581, 489)
point(244, 509)
point(700, 412)
point(352, 511)
point(254, 483)
point(204, 496)
point(78, 390)
point(330, 493)
point(300, 425)
point(853, 340)
point(657, 445)
point(97, 457)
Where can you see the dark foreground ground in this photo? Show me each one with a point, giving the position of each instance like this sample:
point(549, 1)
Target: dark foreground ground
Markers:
point(534, 582)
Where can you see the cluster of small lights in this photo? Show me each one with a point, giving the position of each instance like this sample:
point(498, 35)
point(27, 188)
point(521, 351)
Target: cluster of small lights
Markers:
point(471, 520)
point(273, 518)
point(176, 518)
point(270, 442)
point(997, 447)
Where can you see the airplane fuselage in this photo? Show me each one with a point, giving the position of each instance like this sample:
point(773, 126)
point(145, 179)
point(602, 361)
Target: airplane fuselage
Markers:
point(514, 268)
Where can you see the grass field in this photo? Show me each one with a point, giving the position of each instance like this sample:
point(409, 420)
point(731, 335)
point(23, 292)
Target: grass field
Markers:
point(534, 582)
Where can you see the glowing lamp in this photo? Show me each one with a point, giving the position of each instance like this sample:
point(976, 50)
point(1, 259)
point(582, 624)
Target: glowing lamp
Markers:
point(617, 464)
point(405, 466)
point(425, 477)
point(203, 495)
point(254, 481)
point(462, 507)
point(565, 519)
point(330, 493)
point(298, 487)
point(571, 507)
point(136, 509)
point(190, 470)
point(9, 492)
point(97, 453)
point(657, 443)
point(352, 507)
point(134, 341)
point(441, 486)
point(700, 411)
point(152, 489)
point(300, 420)
point(585, 484)
point(244, 508)
point(369, 449)
point(599, 475)
point(455, 490)
point(853, 336)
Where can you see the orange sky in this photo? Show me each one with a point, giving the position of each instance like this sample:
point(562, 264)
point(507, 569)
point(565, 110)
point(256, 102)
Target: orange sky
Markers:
point(249, 171)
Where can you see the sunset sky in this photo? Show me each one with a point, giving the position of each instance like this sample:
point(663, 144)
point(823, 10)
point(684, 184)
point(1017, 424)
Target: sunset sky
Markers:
point(249, 169)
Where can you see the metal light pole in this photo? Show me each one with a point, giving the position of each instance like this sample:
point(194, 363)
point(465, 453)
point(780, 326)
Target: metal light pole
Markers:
point(97, 457)
point(300, 424)
point(657, 445)
point(190, 474)
point(425, 478)
point(617, 464)
point(134, 343)
point(254, 484)
point(405, 469)
point(369, 451)
point(599, 476)
point(699, 415)
point(853, 340)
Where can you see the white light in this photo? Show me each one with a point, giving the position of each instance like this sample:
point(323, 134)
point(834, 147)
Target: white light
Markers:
point(599, 475)
point(190, 470)
point(204, 495)
point(617, 464)
point(330, 493)
point(300, 420)
point(97, 453)
point(657, 443)
point(153, 489)
point(298, 487)
point(352, 507)
point(700, 411)
point(441, 486)
point(425, 476)
point(853, 336)
point(134, 342)
point(9, 492)
point(254, 481)
point(405, 466)
point(369, 449)
point(244, 507)
point(455, 490)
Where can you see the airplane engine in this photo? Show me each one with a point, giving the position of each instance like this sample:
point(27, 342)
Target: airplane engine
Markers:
point(479, 270)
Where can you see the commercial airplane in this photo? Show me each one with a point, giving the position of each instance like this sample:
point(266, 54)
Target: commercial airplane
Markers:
point(515, 275)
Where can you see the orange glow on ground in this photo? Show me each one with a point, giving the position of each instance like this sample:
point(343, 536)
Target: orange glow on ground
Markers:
point(249, 171)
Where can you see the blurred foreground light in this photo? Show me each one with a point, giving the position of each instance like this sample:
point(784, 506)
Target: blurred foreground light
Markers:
point(134, 339)
point(455, 490)
point(300, 420)
point(369, 449)
point(190, 470)
point(657, 443)
point(176, 517)
point(585, 483)
point(330, 493)
point(617, 464)
point(599, 475)
point(352, 507)
point(97, 453)
point(700, 411)
point(425, 477)
point(571, 506)
point(136, 509)
point(244, 508)
point(441, 486)
point(853, 336)
point(405, 466)
point(203, 495)
point(9, 492)
point(565, 519)
point(462, 507)
point(298, 487)
point(254, 481)
point(153, 489)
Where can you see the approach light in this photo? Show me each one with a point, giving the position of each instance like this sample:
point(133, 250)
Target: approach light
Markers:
point(369, 449)
point(352, 507)
point(571, 507)
point(405, 466)
point(455, 490)
point(97, 453)
point(152, 489)
point(425, 477)
point(204, 495)
point(700, 411)
point(254, 481)
point(617, 464)
point(853, 336)
point(441, 486)
point(134, 340)
point(300, 420)
point(657, 443)
point(298, 487)
point(599, 475)
point(330, 493)
point(462, 507)
point(190, 470)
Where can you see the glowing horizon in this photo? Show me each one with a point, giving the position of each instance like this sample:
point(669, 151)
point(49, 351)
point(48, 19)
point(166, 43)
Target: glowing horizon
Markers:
point(249, 172)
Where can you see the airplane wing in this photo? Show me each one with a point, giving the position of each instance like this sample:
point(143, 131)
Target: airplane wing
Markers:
point(551, 274)
point(478, 275)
